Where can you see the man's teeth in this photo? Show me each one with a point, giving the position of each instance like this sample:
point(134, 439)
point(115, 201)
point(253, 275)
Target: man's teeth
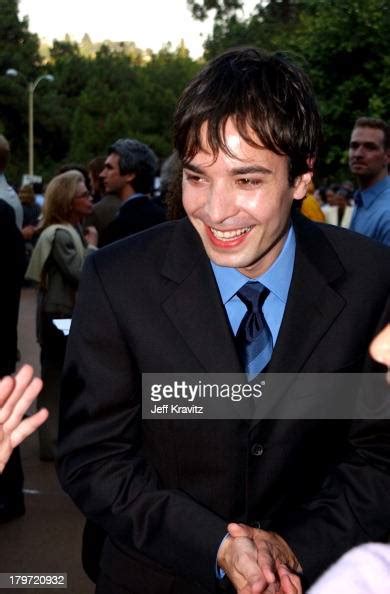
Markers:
point(229, 234)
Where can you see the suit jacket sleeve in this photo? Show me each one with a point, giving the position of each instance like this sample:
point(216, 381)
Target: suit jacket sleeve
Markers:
point(350, 507)
point(101, 460)
point(12, 265)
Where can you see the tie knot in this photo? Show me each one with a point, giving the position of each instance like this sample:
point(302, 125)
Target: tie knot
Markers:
point(253, 295)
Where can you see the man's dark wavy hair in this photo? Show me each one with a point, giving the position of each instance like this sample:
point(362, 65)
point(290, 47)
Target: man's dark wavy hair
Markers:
point(265, 93)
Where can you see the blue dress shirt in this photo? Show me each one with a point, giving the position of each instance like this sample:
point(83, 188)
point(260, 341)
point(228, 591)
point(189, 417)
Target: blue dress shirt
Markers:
point(277, 279)
point(372, 212)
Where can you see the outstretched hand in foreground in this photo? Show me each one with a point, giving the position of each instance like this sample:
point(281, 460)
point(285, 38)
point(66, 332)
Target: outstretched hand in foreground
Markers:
point(16, 396)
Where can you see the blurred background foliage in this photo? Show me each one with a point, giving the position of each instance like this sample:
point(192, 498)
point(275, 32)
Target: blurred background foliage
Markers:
point(103, 91)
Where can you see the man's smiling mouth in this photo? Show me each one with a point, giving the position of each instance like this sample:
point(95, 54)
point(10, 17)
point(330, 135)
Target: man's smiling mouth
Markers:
point(229, 235)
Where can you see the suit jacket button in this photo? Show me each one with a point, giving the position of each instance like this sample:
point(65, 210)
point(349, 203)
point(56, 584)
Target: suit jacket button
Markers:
point(257, 449)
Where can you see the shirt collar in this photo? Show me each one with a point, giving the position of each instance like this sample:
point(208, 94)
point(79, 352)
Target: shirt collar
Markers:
point(277, 278)
point(369, 195)
point(136, 195)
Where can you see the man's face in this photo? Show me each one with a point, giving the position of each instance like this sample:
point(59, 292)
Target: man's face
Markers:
point(114, 182)
point(240, 205)
point(368, 158)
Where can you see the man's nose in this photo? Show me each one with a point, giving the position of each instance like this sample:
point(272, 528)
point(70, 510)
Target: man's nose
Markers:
point(358, 150)
point(221, 203)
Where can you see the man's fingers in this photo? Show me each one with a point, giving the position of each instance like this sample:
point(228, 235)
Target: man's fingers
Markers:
point(21, 399)
point(238, 558)
point(267, 566)
point(290, 583)
point(290, 586)
point(247, 567)
point(7, 384)
point(239, 530)
point(28, 426)
point(11, 390)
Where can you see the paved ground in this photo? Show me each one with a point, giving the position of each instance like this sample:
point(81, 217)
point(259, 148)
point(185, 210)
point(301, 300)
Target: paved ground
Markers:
point(48, 538)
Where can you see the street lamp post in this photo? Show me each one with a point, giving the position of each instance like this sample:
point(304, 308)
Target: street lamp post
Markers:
point(31, 88)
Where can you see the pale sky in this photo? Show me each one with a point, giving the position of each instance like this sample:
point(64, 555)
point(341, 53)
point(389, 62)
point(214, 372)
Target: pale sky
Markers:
point(148, 23)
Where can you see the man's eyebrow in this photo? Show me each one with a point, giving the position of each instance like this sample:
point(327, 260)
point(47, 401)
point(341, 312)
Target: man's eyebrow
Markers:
point(366, 144)
point(244, 170)
point(192, 167)
point(247, 169)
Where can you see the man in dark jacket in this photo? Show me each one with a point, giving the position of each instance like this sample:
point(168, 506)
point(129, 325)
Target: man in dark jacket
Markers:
point(128, 173)
point(170, 492)
point(12, 266)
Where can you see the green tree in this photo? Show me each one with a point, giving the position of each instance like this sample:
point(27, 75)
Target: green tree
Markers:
point(19, 50)
point(126, 98)
point(223, 9)
point(345, 48)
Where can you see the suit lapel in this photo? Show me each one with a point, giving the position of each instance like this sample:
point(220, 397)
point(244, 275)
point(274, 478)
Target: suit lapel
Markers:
point(313, 304)
point(194, 305)
point(311, 310)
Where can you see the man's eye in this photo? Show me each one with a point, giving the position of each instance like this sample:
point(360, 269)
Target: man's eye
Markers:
point(193, 178)
point(248, 182)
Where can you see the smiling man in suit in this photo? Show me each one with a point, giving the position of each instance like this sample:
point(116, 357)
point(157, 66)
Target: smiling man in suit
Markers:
point(260, 505)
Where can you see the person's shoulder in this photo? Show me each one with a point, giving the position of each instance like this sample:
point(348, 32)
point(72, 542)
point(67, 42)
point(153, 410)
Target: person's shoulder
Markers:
point(63, 235)
point(144, 244)
point(354, 250)
point(345, 239)
point(338, 236)
point(6, 210)
point(107, 200)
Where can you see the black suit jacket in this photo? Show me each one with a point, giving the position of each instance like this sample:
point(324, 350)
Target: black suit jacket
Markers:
point(137, 214)
point(163, 490)
point(12, 268)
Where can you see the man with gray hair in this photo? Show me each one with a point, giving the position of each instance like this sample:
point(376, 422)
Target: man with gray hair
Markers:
point(129, 172)
point(7, 193)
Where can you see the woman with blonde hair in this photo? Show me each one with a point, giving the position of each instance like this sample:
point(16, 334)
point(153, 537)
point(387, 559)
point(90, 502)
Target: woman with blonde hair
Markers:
point(56, 265)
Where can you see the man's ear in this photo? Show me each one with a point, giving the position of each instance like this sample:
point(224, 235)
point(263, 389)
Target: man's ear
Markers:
point(130, 177)
point(301, 184)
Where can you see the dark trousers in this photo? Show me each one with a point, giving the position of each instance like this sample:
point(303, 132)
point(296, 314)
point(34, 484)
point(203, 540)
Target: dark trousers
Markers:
point(53, 346)
point(11, 480)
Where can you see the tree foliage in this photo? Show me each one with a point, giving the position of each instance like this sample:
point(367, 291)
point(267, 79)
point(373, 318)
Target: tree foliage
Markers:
point(222, 8)
point(100, 92)
point(345, 48)
point(105, 91)
point(19, 50)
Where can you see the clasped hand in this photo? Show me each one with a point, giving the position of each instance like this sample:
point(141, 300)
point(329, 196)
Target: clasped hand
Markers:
point(258, 562)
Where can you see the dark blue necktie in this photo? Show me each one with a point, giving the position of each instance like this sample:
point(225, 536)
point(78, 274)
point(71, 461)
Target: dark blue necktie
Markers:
point(254, 338)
